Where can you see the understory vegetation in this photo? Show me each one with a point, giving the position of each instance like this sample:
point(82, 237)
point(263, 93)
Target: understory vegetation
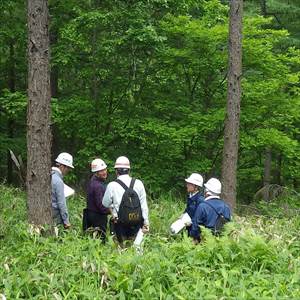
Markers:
point(256, 258)
point(148, 79)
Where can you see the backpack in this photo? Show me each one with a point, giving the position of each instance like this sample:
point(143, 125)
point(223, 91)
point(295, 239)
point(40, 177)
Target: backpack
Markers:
point(130, 211)
point(220, 222)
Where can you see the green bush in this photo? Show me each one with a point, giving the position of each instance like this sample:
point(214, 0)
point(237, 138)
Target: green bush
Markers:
point(256, 258)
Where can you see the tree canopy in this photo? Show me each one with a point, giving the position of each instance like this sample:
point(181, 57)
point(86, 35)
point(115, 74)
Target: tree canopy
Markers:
point(148, 79)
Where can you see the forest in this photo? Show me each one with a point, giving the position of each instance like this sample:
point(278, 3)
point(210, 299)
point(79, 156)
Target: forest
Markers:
point(149, 79)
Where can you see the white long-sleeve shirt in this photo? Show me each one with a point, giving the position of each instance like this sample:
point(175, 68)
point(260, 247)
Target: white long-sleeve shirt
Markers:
point(114, 193)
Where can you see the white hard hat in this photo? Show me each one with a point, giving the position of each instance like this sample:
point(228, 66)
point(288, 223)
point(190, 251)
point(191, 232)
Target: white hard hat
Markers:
point(98, 165)
point(65, 159)
point(214, 185)
point(122, 162)
point(195, 179)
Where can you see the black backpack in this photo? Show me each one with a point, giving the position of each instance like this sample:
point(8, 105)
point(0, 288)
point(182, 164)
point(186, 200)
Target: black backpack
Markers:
point(130, 211)
point(220, 222)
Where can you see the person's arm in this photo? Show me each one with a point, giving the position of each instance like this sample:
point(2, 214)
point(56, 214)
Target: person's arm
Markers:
point(187, 205)
point(196, 222)
point(227, 213)
point(144, 207)
point(99, 193)
point(61, 203)
point(107, 198)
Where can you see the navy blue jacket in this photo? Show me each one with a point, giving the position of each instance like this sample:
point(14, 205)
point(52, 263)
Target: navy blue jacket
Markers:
point(192, 204)
point(206, 216)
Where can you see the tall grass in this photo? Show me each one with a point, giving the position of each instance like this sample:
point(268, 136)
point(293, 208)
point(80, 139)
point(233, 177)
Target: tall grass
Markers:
point(256, 258)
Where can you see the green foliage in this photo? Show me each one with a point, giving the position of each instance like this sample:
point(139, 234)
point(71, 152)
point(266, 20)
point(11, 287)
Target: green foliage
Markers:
point(13, 121)
point(147, 79)
point(257, 258)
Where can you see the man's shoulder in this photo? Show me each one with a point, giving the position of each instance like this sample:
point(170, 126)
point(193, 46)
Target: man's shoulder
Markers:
point(56, 178)
point(138, 183)
point(114, 185)
point(137, 180)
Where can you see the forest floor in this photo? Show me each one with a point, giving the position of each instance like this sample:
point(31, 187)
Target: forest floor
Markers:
point(256, 258)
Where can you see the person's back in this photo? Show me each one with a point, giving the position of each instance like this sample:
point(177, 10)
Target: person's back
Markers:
point(113, 198)
point(209, 211)
point(115, 191)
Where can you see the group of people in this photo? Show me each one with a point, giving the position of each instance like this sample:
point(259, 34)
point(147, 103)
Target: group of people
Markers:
point(125, 200)
point(206, 209)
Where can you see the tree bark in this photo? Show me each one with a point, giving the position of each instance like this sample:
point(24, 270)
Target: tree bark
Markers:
point(38, 115)
point(232, 120)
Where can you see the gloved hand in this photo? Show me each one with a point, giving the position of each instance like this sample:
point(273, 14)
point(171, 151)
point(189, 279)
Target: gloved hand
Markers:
point(145, 228)
point(67, 225)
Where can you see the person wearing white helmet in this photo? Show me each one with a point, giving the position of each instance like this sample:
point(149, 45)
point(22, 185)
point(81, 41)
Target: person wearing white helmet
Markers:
point(213, 212)
point(64, 163)
point(95, 215)
point(115, 197)
point(194, 183)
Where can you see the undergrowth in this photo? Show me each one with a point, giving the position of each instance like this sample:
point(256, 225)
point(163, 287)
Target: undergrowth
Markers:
point(256, 258)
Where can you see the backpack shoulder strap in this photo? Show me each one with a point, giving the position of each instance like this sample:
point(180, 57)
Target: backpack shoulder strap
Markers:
point(212, 207)
point(132, 183)
point(216, 210)
point(122, 184)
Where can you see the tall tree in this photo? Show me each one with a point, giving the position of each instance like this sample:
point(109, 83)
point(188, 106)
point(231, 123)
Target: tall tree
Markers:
point(38, 115)
point(232, 121)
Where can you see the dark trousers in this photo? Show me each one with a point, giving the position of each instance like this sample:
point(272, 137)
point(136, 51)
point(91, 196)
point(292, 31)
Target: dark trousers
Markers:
point(125, 232)
point(92, 219)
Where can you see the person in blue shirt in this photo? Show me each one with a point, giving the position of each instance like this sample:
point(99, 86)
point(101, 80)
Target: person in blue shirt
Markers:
point(208, 211)
point(194, 183)
point(64, 162)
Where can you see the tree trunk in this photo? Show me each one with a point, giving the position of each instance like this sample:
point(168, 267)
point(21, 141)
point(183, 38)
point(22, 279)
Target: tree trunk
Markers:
point(263, 7)
point(38, 115)
point(277, 173)
point(267, 172)
point(54, 75)
point(10, 122)
point(232, 121)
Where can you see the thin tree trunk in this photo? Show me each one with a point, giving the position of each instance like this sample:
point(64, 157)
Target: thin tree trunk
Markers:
point(10, 122)
point(267, 172)
point(38, 115)
point(232, 121)
point(263, 7)
point(277, 173)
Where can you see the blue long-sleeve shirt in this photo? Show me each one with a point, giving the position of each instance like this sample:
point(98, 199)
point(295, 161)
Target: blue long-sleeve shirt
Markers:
point(95, 193)
point(58, 195)
point(206, 215)
point(192, 203)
